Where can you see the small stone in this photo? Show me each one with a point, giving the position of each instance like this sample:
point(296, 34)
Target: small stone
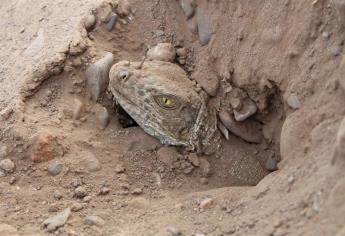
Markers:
point(2, 173)
point(103, 117)
point(204, 26)
point(204, 181)
point(55, 169)
point(124, 8)
point(45, 148)
point(249, 130)
point(293, 101)
point(13, 179)
point(89, 22)
point(77, 207)
point(137, 191)
point(172, 231)
point(206, 203)
point(112, 22)
point(3, 151)
point(94, 220)
point(188, 7)
point(90, 162)
point(271, 164)
point(248, 108)
point(57, 195)
point(7, 165)
point(236, 104)
point(77, 108)
point(193, 158)
point(182, 52)
point(87, 199)
point(205, 167)
point(80, 192)
point(55, 222)
point(162, 52)
point(104, 191)
point(97, 75)
point(120, 169)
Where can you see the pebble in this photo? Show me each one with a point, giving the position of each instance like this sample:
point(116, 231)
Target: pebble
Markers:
point(340, 10)
point(55, 169)
point(203, 181)
point(206, 203)
point(87, 199)
point(97, 75)
point(341, 73)
point(103, 117)
point(249, 130)
point(89, 22)
point(172, 231)
point(112, 22)
point(77, 207)
point(94, 220)
point(2, 173)
point(162, 52)
point(120, 169)
point(188, 7)
point(80, 192)
point(90, 162)
point(124, 8)
point(13, 179)
point(293, 101)
point(194, 159)
point(7, 165)
point(36, 45)
point(204, 26)
point(137, 191)
point(223, 130)
point(248, 108)
point(57, 195)
point(55, 222)
point(236, 104)
point(3, 151)
point(205, 167)
point(271, 164)
point(104, 191)
point(77, 108)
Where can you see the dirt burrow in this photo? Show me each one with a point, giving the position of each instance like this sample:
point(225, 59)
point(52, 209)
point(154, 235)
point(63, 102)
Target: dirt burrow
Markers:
point(71, 152)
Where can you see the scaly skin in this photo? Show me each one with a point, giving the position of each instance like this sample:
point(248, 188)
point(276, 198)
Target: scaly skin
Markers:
point(164, 102)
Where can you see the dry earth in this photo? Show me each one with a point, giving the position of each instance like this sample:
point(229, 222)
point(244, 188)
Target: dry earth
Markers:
point(64, 155)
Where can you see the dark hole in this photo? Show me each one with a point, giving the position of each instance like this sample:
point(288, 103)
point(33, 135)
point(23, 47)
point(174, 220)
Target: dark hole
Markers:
point(125, 120)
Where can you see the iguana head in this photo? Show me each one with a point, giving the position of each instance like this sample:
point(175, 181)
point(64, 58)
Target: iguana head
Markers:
point(164, 102)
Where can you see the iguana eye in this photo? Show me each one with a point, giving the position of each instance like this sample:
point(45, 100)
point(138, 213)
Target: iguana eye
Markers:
point(167, 101)
point(123, 75)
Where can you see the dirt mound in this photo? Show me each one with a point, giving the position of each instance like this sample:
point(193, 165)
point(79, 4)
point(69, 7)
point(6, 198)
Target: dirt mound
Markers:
point(69, 167)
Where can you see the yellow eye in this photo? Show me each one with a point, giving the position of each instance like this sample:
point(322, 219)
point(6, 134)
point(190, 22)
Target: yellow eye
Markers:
point(167, 101)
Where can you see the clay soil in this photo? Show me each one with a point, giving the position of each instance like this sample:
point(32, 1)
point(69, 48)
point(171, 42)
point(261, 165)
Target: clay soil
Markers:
point(285, 55)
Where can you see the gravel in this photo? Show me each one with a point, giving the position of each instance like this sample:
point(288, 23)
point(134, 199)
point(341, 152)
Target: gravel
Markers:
point(94, 220)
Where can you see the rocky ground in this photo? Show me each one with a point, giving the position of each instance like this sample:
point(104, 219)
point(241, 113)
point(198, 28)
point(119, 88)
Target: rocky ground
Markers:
point(68, 166)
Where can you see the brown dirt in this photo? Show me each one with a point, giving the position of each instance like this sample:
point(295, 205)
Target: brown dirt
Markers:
point(271, 51)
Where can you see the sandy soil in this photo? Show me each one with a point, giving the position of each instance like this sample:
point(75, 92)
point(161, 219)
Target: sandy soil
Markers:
point(60, 157)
